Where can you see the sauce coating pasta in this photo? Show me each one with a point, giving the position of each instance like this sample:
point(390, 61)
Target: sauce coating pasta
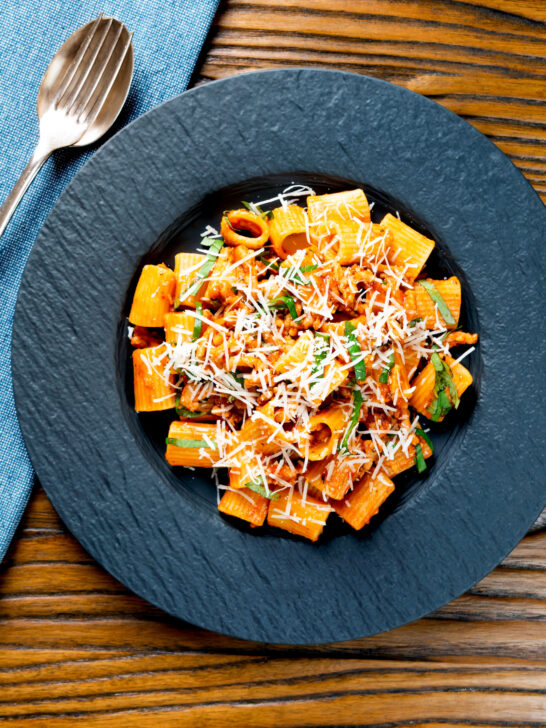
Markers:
point(301, 347)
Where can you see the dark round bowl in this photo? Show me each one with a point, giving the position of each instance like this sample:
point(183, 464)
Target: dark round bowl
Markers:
point(145, 195)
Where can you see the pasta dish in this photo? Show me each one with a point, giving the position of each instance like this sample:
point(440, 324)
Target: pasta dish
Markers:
point(302, 348)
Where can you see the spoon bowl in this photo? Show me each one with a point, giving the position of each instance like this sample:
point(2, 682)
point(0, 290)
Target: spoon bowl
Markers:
point(66, 56)
point(80, 97)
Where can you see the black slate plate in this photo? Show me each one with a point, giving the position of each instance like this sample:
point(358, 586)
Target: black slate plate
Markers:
point(144, 193)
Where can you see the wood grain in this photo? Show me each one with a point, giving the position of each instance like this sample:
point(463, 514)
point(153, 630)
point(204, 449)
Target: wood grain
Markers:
point(484, 61)
point(77, 649)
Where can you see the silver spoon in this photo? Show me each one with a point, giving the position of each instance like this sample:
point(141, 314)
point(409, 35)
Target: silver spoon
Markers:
point(80, 97)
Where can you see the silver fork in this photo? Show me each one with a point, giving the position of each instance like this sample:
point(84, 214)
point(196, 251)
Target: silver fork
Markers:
point(81, 95)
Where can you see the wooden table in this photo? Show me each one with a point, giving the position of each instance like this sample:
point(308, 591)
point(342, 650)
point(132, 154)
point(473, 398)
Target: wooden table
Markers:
point(77, 648)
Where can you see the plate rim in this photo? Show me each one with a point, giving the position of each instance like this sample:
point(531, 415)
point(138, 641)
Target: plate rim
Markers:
point(101, 154)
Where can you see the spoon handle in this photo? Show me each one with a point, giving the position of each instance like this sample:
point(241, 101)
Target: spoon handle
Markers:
point(27, 175)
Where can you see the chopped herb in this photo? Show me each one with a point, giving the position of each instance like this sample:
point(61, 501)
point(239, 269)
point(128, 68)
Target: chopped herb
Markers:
point(197, 323)
point(384, 376)
point(353, 347)
point(256, 209)
point(425, 437)
point(414, 321)
point(285, 302)
point(320, 352)
point(183, 411)
point(293, 273)
point(436, 362)
point(420, 459)
point(268, 263)
point(357, 406)
point(189, 443)
point(441, 305)
point(257, 487)
point(442, 402)
point(216, 245)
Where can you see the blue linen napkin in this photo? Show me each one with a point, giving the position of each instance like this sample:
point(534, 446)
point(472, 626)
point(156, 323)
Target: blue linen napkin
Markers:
point(168, 37)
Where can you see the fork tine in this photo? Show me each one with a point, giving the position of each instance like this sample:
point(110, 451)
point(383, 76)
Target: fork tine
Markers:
point(93, 107)
point(97, 70)
point(76, 61)
point(87, 66)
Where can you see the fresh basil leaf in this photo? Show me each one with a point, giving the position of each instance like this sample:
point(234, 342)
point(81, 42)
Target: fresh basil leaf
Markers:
point(353, 422)
point(216, 245)
point(320, 352)
point(189, 443)
point(420, 459)
point(384, 376)
point(425, 437)
point(268, 263)
point(442, 403)
point(197, 323)
point(257, 487)
point(355, 352)
point(268, 214)
point(442, 306)
point(285, 302)
point(183, 411)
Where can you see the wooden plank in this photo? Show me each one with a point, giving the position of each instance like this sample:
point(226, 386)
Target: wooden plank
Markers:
point(77, 648)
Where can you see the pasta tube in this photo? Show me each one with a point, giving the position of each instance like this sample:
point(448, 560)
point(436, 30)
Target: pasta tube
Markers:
point(449, 291)
point(431, 378)
point(182, 326)
point(349, 242)
point(401, 462)
point(153, 383)
point(359, 506)
point(333, 377)
point(347, 205)
point(324, 431)
point(192, 444)
point(247, 505)
point(297, 354)
point(288, 230)
point(154, 296)
point(411, 361)
point(236, 221)
point(407, 247)
point(334, 476)
point(244, 469)
point(294, 514)
point(186, 268)
point(263, 432)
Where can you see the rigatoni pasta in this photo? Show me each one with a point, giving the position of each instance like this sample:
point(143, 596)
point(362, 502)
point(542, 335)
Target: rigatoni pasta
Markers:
point(300, 349)
point(154, 379)
point(248, 506)
point(192, 444)
point(364, 501)
point(153, 296)
point(408, 248)
point(347, 205)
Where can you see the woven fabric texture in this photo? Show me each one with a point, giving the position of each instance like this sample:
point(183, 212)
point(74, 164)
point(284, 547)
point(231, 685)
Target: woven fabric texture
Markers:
point(168, 37)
